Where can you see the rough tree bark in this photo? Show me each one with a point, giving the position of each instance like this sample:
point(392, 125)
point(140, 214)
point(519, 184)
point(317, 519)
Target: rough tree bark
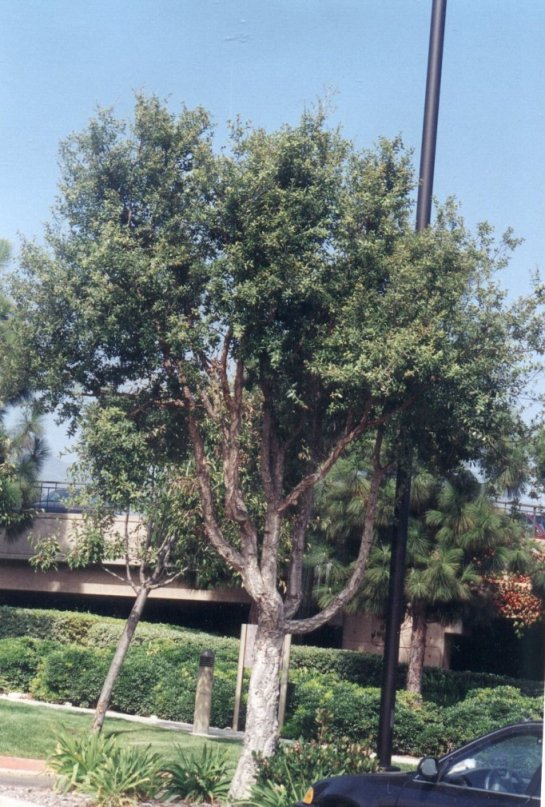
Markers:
point(262, 717)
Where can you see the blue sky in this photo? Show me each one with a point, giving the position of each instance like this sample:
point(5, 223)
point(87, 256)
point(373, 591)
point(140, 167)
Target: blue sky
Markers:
point(268, 59)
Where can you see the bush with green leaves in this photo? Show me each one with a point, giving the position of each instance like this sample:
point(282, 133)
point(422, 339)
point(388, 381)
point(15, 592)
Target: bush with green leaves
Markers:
point(113, 775)
point(66, 627)
point(482, 710)
point(189, 642)
point(160, 672)
point(359, 668)
point(327, 708)
point(199, 777)
point(306, 695)
point(443, 687)
point(19, 661)
point(447, 687)
point(153, 680)
point(73, 674)
point(284, 778)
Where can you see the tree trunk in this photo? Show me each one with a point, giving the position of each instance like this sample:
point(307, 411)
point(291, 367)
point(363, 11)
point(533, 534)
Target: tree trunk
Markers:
point(417, 648)
point(119, 656)
point(261, 734)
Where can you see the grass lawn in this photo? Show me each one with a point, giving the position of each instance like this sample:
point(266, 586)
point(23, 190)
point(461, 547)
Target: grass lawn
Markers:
point(31, 731)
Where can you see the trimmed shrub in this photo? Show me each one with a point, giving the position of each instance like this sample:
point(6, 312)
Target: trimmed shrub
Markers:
point(359, 668)
point(74, 674)
point(446, 687)
point(327, 709)
point(483, 710)
point(65, 627)
point(20, 659)
point(306, 696)
point(160, 671)
point(151, 681)
point(443, 687)
point(191, 642)
point(174, 695)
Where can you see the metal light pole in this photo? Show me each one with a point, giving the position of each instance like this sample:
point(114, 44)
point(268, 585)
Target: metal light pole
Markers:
point(403, 482)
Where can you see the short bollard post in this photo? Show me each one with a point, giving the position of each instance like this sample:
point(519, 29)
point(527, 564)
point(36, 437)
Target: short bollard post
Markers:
point(203, 696)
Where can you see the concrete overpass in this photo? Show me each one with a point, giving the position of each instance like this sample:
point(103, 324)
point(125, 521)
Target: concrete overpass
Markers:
point(17, 577)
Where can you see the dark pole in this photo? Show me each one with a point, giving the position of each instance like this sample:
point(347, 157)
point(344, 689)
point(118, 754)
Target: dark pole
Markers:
point(403, 481)
point(431, 114)
point(395, 610)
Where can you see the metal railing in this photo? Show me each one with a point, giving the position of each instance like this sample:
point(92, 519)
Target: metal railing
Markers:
point(532, 514)
point(56, 497)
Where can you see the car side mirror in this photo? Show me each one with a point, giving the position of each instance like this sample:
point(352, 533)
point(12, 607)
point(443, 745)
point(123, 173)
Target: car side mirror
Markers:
point(428, 768)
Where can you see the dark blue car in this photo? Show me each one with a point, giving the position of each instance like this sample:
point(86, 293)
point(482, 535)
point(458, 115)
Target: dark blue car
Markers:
point(501, 769)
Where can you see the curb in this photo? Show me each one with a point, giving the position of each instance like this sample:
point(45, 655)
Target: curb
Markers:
point(23, 765)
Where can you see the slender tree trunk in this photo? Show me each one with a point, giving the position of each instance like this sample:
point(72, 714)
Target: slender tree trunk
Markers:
point(119, 656)
point(261, 733)
point(417, 648)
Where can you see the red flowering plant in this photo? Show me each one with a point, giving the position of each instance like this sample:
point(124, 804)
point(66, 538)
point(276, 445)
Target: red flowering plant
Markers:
point(514, 599)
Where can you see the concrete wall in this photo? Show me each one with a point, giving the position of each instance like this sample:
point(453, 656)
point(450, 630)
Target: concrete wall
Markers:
point(365, 632)
point(63, 527)
point(16, 574)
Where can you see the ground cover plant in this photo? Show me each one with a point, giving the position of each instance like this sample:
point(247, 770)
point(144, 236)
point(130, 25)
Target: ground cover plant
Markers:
point(205, 776)
point(114, 775)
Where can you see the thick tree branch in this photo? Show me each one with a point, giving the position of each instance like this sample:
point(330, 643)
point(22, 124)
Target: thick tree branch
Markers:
point(294, 593)
point(224, 549)
point(301, 626)
point(364, 424)
point(235, 505)
point(310, 480)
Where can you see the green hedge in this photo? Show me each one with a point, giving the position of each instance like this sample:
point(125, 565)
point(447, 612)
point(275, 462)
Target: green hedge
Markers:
point(61, 626)
point(160, 671)
point(190, 642)
point(443, 687)
point(71, 673)
point(73, 627)
point(152, 681)
point(447, 687)
point(19, 661)
point(482, 710)
point(326, 708)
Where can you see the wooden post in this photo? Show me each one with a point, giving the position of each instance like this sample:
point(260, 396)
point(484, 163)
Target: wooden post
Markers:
point(284, 671)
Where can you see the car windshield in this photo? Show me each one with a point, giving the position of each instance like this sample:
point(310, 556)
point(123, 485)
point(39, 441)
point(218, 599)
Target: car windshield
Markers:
point(509, 765)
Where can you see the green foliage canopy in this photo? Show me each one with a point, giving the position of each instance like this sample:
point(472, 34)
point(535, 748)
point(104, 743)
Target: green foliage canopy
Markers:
point(258, 309)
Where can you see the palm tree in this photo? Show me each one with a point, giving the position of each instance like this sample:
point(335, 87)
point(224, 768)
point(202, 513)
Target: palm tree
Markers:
point(23, 452)
point(456, 536)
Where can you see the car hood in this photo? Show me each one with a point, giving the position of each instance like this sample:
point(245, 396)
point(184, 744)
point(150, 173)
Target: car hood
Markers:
point(370, 785)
